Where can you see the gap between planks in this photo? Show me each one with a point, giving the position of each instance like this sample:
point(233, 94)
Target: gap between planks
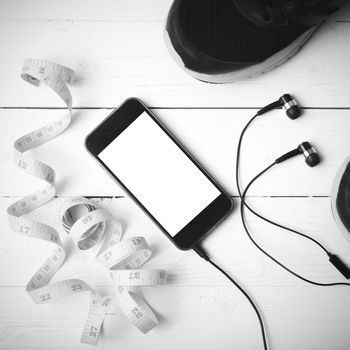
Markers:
point(157, 108)
point(235, 197)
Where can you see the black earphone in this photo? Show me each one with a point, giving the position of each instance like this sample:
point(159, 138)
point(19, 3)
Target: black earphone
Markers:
point(293, 111)
point(288, 103)
point(311, 156)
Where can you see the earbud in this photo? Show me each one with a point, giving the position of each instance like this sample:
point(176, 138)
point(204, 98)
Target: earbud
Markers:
point(291, 106)
point(309, 152)
point(288, 103)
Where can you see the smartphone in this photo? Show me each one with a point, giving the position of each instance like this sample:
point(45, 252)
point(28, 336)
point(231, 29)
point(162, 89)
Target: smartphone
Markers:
point(156, 170)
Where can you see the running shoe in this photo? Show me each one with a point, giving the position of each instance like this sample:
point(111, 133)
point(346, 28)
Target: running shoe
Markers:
point(221, 41)
point(340, 199)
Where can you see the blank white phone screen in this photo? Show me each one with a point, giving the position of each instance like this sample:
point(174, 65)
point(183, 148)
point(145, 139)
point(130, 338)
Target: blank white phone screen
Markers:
point(157, 172)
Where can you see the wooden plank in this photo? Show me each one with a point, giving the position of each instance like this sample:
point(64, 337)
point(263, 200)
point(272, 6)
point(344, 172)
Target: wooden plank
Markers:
point(228, 245)
point(190, 318)
point(102, 10)
point(92, 10)
point(118, 59)
point(197, 298)
point(211, 135)
point(117, 49)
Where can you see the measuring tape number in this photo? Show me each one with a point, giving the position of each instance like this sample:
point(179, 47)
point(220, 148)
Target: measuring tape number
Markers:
point(121, 257)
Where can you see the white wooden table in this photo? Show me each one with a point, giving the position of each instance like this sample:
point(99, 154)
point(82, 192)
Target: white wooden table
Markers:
point(117, 50)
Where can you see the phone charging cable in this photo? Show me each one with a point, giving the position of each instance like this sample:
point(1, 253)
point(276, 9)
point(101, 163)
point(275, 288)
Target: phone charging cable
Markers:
point(199, 250)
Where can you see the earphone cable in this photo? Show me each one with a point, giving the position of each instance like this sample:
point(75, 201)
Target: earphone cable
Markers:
point(198, 249)
point(252, 210)
point(265, 252)
point(239, 151)
point(285, 227)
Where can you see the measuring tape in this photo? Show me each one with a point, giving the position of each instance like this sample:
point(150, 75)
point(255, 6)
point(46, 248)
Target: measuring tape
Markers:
point(121, 257)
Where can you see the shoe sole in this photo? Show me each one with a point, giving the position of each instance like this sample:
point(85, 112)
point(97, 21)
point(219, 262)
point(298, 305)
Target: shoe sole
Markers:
point(334, 194)
point(249, 72)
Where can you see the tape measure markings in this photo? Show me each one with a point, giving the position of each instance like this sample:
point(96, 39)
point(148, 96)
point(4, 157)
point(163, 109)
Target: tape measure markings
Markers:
point(121, 257)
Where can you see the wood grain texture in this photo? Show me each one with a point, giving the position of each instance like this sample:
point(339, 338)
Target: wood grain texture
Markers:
point(190, 318)
point(228, 245)
point(117, 50)
point(103, 10)
point(118, 59)
point(211, 135)
point(197, 298)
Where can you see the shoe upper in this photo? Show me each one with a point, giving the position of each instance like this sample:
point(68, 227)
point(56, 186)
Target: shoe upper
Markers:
point(343, 198)
point(219, 36)
point(284, 12)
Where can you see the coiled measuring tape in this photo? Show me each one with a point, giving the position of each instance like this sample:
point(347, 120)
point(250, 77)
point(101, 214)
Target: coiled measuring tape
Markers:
point(121, 257)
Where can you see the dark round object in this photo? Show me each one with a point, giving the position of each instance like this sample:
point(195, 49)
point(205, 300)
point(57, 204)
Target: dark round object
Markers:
point(291, 106)
point(312, 160)
point(293, 112)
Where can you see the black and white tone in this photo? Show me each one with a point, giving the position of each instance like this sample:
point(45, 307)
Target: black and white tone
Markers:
point(175, 174)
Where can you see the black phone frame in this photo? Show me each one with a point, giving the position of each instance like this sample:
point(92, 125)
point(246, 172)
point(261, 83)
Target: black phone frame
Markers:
point(110, 128)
